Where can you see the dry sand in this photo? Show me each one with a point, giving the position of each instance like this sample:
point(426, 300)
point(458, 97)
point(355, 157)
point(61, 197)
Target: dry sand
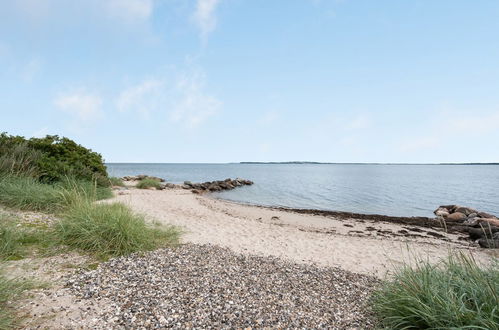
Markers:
point(360, 246)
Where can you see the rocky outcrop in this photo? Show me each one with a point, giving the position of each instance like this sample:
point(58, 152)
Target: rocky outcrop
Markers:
point(226, 184)
point(481, 226)
point(141, 177)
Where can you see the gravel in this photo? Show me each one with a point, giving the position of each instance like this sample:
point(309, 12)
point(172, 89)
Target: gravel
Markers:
point(193, 286)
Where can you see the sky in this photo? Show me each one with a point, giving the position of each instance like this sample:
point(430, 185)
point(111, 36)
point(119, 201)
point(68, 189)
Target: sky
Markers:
point(255, 80)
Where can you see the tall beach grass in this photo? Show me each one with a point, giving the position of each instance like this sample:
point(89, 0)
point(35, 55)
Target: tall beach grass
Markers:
point(26, 193)
point(10, 289)
point(148, 183)
point(455, 294)
point(110, 230)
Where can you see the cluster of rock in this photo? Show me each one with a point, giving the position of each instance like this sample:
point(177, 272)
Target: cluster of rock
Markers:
point(219, 185)
point(482, 226)
point(141, 177)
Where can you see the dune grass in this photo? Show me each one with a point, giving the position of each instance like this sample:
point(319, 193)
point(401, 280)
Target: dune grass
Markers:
point(148, 183)
point(456, 294)
point(118, 182)
point(16, 239)
point(26, 193)
point(9, 290)
point(110, 230)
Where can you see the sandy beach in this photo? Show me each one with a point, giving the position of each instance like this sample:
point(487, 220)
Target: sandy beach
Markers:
point(361, 246)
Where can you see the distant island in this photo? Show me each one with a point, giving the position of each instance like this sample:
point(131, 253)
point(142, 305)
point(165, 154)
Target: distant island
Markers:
point(304, 162)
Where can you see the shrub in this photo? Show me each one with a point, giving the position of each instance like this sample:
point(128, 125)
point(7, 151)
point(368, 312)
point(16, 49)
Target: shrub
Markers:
point(110, 230)
point(455, 294)
point(116, 181)
point(56, 158)
point(148, 183)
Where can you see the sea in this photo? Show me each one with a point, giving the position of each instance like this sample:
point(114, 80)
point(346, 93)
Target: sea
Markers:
point(396, 190)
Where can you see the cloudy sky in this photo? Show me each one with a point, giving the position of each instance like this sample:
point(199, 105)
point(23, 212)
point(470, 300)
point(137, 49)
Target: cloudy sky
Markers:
point(255, 80)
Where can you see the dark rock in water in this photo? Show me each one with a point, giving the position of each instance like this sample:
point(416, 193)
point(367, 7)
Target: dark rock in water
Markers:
point(220, 185)
point(441, 212)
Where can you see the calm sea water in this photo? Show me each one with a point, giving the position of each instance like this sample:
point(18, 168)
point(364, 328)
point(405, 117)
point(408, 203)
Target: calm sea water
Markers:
point(399, 190)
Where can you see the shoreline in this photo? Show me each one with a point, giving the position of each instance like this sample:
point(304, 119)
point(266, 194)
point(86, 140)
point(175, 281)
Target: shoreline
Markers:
point(366, 244)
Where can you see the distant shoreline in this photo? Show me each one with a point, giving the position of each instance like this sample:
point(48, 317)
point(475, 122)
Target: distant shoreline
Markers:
point(299, 163)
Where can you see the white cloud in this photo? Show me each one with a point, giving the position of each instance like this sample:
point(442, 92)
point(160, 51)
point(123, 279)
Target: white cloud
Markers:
point(83, 105)
point(130, 10)
point(204, 16)
point(30, 70)
point(359, 122)
point(193, 105)
point(142, 98)
point(269, 118)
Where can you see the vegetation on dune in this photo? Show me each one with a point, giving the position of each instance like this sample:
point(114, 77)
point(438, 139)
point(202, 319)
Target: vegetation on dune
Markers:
point(148, 183)
point(110, 230)
point(58, 176)
point(455, 294)
point(50, 159)
point(9, 290)
point(16, 239)
point(26, 193)
point(117, 182)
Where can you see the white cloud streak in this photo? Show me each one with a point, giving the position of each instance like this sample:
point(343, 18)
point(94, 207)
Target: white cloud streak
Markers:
point(194, 105)
point(205, 17)
point(81, 104)
point(130, 10)
point(142, 98)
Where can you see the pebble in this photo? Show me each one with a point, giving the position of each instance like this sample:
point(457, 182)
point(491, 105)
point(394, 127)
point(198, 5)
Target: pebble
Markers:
point(208, 286)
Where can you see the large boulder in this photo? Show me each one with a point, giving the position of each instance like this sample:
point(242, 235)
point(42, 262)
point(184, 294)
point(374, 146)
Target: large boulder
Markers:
point(456, 217)
point(465, 210)
point(486, 215)
point(441, 212)
point(489, 221)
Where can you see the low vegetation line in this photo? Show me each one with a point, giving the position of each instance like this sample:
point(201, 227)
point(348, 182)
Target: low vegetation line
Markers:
point(455, 294)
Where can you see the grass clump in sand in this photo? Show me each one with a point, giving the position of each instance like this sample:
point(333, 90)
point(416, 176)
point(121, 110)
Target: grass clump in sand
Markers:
point(116, 182)
point(458, 293)
point(17, 239)
point(110, 230)
point(9, 290)
point(148, 183)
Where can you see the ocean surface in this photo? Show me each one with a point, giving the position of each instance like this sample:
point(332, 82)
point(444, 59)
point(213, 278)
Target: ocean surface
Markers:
point(398, 190)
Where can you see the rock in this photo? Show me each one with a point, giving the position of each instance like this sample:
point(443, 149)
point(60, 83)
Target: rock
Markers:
point(472, 215)
point(489, 243)
point(471, 221)
point(184, 186)
point(188, 183)
point(465, 210)
point(489, 221)
point(450, 208)
point(486, 215)
point(441, 212)
point(456, 217)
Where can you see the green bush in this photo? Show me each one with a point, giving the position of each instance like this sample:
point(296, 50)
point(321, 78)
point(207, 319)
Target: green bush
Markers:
point(116, 181)
point(456, 294)
point(56, 158)
point(26, 193)
point(110, 230)
point(148, 183)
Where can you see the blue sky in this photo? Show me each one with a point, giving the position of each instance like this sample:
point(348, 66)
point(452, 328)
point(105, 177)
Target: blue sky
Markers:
point(255, 80)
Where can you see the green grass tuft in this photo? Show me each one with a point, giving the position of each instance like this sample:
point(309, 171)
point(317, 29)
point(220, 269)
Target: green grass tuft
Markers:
point(457, 293)
point(9, 290)
point(26, 193)
point(16, 239)
point(110, 230)
point(148, 183)
point(117, 182)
